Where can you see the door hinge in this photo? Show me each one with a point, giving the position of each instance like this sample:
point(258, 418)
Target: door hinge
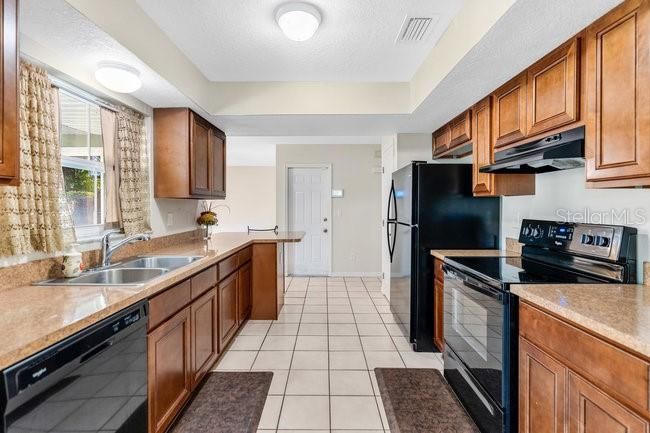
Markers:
point(382, 275)
point(383, 170)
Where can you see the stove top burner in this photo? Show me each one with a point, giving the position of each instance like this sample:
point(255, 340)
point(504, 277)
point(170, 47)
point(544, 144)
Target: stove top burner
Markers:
point(517, 270)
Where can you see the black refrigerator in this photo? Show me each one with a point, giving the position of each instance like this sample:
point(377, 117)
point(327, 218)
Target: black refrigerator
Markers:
point(431, 206)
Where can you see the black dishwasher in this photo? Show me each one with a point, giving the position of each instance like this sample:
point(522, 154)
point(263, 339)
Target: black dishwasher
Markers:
point(93, 381)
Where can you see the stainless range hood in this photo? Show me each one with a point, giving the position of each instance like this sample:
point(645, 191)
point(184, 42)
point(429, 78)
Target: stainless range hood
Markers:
point(560, 151)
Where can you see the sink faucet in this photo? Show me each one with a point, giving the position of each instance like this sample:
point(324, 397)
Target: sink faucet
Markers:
point(108, 249)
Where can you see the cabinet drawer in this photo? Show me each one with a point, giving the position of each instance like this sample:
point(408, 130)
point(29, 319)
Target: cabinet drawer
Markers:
point(620, 373)
point(203, 281)
point(228, 266)
point(245, 255)
point(164, 305)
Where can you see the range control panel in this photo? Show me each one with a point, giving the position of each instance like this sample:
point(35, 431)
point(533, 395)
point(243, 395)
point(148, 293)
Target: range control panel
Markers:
point(604, 241)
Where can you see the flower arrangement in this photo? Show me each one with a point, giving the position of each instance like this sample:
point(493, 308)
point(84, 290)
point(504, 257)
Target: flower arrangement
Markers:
point(207, 218)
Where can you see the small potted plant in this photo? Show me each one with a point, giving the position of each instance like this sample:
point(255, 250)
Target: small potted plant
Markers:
point(207, 218)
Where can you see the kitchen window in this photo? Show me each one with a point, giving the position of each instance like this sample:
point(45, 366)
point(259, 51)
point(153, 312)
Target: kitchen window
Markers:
point(82, 160)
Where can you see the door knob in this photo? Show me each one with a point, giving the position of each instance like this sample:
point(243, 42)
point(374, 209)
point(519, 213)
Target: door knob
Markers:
point(324, 230)
point(325, 219)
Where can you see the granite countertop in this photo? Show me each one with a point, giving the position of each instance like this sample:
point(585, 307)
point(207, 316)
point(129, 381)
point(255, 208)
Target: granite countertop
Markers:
point(441, 254)
point(618, 312)
point(34, 317)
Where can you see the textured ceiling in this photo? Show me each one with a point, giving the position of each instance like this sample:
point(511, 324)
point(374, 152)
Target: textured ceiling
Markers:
point(528, 30)
point(239, 40)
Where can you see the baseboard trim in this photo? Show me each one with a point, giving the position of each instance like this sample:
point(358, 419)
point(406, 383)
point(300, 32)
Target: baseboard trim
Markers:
point(356, 274)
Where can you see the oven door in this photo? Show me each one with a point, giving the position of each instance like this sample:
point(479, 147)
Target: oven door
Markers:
point(474, 323)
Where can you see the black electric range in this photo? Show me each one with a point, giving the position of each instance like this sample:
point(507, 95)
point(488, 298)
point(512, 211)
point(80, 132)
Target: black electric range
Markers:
point(481, 315)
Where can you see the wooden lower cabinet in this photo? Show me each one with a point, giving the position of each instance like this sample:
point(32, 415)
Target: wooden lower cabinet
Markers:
point(268, 281)
point(169, 370)
point(244, 294)
point(205, 336)
point(593, 411)
point(558, 396)
point(439, 315)
point(228, 311)
point(542, 383)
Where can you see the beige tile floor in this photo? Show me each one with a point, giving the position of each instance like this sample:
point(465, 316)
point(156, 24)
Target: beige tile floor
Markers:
point(329, 337)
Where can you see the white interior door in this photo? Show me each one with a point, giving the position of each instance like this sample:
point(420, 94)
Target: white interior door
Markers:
point(309, 211)
point(388, 162)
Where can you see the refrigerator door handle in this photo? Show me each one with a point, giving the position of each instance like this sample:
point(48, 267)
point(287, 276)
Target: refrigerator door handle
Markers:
point(391, 201)
point(389, 238)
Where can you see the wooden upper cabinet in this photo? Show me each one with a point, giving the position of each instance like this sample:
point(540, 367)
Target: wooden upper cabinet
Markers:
point(618, 97)
point(553, 92)
point(9, 141)
point(189, 156)
point(441, 140)
point(461, 130)
point(200, 153)
point(542, 384)
point(486, 184)
point(218, 157)
point(593, 411)
point(482, 146)
point(509, 111)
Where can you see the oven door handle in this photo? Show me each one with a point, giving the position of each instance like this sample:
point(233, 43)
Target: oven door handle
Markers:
point(474, 284)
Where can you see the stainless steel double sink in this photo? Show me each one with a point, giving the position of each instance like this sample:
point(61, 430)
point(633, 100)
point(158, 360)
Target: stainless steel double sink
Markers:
point(134, 272)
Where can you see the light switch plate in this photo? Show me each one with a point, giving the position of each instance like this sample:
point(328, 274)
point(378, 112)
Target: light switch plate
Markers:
point(337, 193)
point(170, 219)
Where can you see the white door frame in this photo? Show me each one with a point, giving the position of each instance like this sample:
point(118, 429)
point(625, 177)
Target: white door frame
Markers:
point(328, 182)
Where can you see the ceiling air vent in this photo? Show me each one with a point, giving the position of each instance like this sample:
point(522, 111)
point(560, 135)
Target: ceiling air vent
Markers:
point(414, 29)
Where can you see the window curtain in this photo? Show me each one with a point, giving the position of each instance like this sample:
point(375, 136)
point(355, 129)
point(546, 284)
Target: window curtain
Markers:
point(34, 215)
point(133, 168)
point(112, 174)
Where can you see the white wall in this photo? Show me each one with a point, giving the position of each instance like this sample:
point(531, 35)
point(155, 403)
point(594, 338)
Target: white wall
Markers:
point(413, 147)
point(250, 199)
point(356, 219)
point(563, 195)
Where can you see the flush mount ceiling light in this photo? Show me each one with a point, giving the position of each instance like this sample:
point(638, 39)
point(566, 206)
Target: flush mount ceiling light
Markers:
point(299, 21)
point(118, 77)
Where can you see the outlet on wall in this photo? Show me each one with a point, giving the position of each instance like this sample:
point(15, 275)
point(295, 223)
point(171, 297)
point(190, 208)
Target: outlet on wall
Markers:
point(170, 219)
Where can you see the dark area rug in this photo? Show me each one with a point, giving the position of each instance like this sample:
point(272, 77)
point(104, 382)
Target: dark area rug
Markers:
point(228, 402)
point(421, 401)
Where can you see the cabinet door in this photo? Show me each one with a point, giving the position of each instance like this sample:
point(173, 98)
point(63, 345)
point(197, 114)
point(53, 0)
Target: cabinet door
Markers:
point(441, 140)
point(169, 374)
point(200, 157)
point(204, 330)
point(218, 161)
point(439, 313)
point(244, 291)
point(553, 90)
point(461, 131)
point(593, 411)
point(482, 127)
point(9, 141)
point(509, 112)
point(618, 95)
point(228, 312)
point(542, 383)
